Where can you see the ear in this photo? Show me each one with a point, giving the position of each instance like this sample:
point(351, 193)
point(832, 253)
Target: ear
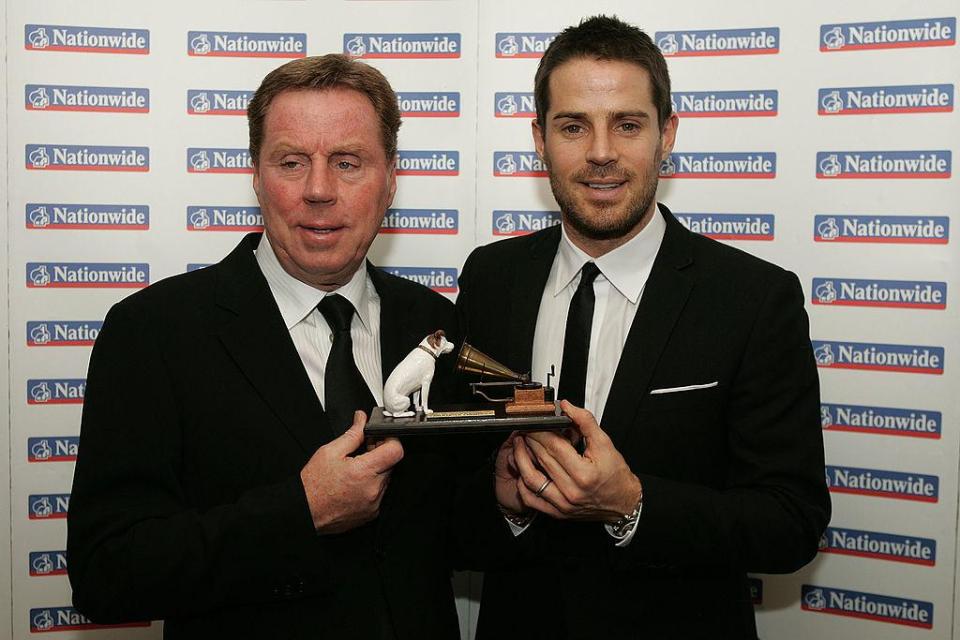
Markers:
point(432, 340)
point(669, 134)
point(391, 181)
point(256, 178)
point(538, 140)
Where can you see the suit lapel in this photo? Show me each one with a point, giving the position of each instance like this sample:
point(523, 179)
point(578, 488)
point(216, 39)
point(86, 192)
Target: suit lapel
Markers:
point(664, 297)
point(529, 280)
point(255, 336)
point(394, 332)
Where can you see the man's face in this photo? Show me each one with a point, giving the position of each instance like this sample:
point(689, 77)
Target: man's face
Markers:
point(323, 182)
point(602, 146)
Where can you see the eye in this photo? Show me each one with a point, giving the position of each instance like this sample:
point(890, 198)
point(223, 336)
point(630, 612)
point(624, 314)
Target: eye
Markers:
point(290, 164)
point(630, 127)
point(346, 165)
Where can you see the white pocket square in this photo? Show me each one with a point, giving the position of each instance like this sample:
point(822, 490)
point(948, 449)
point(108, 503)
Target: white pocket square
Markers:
point(689, 387)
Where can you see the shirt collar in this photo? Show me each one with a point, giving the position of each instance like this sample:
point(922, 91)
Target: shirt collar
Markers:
point(627, 267)
point(297, 299)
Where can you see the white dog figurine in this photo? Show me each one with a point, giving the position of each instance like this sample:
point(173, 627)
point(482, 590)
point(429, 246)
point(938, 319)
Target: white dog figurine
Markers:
point(414, 372)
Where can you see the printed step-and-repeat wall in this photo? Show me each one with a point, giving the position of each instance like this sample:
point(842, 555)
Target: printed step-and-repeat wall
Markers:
point(818, 135)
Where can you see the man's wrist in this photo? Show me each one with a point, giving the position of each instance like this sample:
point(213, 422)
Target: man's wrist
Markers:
point(629, 515)
point(517, 518)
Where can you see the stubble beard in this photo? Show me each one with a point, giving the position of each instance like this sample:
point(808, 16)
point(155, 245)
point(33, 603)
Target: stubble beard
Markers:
point(609, 224)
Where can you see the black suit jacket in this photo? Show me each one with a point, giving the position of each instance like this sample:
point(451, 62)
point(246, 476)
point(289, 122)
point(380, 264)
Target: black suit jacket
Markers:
point(187, 503)
point(733, 475)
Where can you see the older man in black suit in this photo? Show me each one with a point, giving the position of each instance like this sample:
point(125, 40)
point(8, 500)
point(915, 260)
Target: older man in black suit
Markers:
point(216, 485)
point(693, 357)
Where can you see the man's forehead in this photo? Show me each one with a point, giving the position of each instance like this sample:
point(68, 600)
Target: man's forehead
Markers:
point(343, 118)
point(582, 79)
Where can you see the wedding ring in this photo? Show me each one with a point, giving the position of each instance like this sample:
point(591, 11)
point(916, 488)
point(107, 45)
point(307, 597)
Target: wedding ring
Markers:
point(543, 487)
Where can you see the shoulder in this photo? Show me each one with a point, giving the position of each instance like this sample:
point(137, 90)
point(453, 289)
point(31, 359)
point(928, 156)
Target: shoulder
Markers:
point(402, 288)
point(185, 290)
point(517, 245)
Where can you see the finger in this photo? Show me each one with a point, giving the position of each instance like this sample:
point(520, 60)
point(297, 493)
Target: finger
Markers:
point(585, 423)
point(529, 473)
point(554, 468)
point(384, 457)
point(533, 501)
point(559, 447)
point(351, 439)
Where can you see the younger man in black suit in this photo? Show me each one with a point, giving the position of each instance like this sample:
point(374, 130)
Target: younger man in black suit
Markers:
point(694, 358)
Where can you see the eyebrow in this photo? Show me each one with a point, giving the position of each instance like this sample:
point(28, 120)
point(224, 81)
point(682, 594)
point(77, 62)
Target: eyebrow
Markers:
point(580, 115)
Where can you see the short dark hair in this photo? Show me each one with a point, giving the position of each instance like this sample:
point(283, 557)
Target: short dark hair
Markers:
point(604, 38)
point(331, 71)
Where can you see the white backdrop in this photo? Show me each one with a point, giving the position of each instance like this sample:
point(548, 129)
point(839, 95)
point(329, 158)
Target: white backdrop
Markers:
point(784, 110)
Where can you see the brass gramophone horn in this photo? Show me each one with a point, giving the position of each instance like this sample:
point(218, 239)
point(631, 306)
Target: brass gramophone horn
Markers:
point(472, 360)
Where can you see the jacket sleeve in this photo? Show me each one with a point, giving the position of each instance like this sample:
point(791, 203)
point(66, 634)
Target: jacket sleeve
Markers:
point(138, 549)
point(767, 513)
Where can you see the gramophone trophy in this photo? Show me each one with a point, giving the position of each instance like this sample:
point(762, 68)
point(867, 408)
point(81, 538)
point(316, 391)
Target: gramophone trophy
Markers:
point(508, 401)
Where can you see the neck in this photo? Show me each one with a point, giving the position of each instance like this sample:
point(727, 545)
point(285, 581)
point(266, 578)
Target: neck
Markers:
point(595, 247)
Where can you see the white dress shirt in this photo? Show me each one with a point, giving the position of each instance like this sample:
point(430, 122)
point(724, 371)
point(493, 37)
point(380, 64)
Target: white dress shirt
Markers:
point(617, 291)
point(623, 275)
point(309, 330)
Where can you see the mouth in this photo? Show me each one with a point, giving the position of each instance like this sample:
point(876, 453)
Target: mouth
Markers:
point(321, 230)
point(603, 186)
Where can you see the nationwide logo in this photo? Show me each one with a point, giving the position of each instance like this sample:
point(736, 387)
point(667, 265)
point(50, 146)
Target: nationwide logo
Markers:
point(238, 44)
point(420, 104)
point(869, 606)
point(421, 221)
point(402, 45)
point(217, 160)
point(719, 42)
point(75, 157)
point(882, 546)
point(903, 358)
point(100, 217)
point(54, 97)
point(56, 391)
point(520, 223)
point(428, 163)
point(725, 104)
point(92, 275)
point(883, 484)
point(756, 590)
point(440, 279)
point(756, 165)
point(214, 218)
point(52, 449)
point(884, 164)
point(911, 98)
point(48, 563)
point(518, 164)
point(48, 506)
point(730, 226)
point(894, 34)
point(218, 102)
point(62, 333)
point(52, 37)
point(69, 619)
point(885, 229)
point(916, 423)
point(514, 105)
point(523, 45)
point(900, 294)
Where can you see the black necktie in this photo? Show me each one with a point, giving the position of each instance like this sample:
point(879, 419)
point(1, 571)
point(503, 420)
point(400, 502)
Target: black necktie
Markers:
point(344, 388)
point(576, 340)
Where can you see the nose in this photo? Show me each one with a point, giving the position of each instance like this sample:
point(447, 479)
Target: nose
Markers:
point(602, 150)
point(320, 187)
